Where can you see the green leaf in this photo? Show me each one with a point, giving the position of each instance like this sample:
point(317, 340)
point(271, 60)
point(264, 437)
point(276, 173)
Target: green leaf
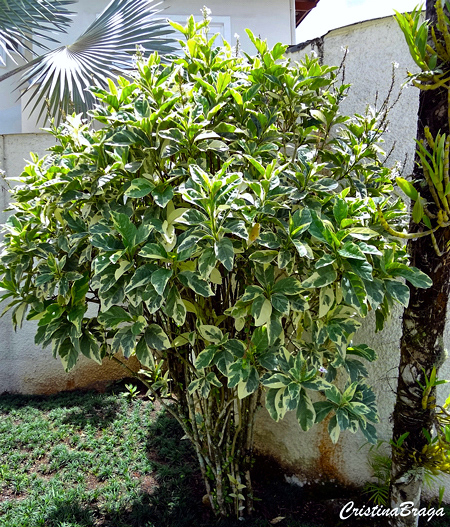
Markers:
point(75, 315)
point(351, 250)
point(265, 274)
point(114, 316)
point(159, 279)
point(334, 430)
point(235, 347)
point(369, 249)
point(162, 195)
point(361, 268)
point(300, 221)
point(322, 277)
point(210, 333)
point(90, 348)
point(362, 233)
point(224, 252)
point(275, 336)
point(68, 354)
point(418, 211)
point(139, 325)
point(261, 310)
point(222, 359)
point(416, 277)
point(156, 338)
point(206, 263)
point(398, 291)
point(205, 358)
point(154, 251)
point(362, 350)
point(280, 303)
point(263, 257)
point(407, 188)
point(124, 340)
point(125, 228)
point(194, 386)
point(284, 258)
point(144, 354)
point(236, 373)
point(326, 300)
point(251, 292)
point(124, 266)
point(288, 286)
point(322, 409)
point(52, 312)
point(195, 282)
point(106, 242)
point(174, 306)
point(191, 240)
point(114, 296)
point(340, 210)
point(317, 114)
point(275, 403)
point(152, 300)
point(375, 292)
point(141, 277)
point(212, 379)
point(250, 385)
point(303, 249)
point(276, 381)
point(107, 280)
point(317, 228)
point(306, 414)
point(353, 292)
point(139, 188)
point(370, 432)
point(173, 134)
point(325, 260)
point(44, 278)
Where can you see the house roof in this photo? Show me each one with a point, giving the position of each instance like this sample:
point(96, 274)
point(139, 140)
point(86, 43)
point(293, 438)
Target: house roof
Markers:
point(302, 8)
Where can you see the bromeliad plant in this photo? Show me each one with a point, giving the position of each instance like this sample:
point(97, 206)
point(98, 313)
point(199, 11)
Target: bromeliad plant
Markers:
point(222, 227)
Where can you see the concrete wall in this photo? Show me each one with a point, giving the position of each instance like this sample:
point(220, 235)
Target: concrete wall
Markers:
point(372, 46)
point(270, 19)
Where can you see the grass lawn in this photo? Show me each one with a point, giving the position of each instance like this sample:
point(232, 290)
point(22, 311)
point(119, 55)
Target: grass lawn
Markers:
point(89, 459)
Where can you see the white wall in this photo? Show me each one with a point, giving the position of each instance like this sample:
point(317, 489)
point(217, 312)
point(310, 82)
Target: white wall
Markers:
point(271, 19)
point(372, 47)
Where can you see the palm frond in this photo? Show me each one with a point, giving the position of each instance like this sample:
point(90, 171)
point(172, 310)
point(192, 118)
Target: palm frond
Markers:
point(105, 49)
point(24, 22)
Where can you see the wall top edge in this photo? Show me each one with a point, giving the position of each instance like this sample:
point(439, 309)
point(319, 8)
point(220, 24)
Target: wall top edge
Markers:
point(302, 45)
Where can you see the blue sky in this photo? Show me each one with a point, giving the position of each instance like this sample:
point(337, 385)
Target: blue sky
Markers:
point(330, 14)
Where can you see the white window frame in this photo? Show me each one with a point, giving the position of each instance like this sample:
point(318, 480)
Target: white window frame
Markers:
point(218, 24)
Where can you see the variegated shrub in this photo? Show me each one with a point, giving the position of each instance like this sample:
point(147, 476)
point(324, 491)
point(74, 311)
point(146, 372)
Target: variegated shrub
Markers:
point(222, 226)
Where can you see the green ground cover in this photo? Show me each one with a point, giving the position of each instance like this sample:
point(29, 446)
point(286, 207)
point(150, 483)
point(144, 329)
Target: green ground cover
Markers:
point(103, 460)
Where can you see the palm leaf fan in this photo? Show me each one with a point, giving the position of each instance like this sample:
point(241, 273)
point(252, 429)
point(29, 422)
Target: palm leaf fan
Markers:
point(105, 49)
point(27, 22)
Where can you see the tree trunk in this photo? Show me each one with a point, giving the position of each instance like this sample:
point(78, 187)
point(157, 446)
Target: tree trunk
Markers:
point(421, 345)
